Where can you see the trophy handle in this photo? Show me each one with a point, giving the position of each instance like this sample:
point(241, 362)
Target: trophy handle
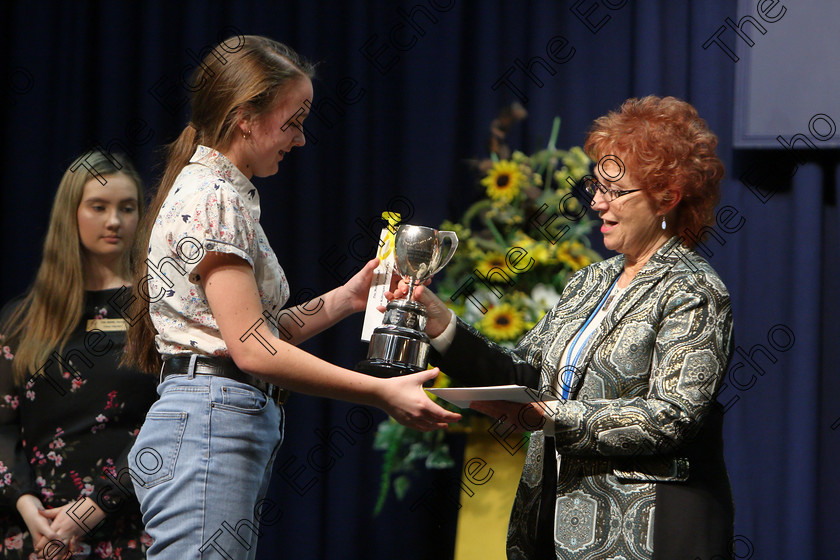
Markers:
point(453, 241)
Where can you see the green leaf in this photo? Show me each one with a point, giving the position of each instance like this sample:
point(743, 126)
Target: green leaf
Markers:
point(387, 431)
point(401, 485)
point(418, 450)
point(440, 458)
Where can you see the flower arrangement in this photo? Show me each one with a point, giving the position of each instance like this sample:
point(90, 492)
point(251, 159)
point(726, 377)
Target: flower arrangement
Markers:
point(521, 192)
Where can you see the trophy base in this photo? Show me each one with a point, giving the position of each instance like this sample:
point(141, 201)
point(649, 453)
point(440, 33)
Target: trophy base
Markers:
point(378, 367)
point(395, 351)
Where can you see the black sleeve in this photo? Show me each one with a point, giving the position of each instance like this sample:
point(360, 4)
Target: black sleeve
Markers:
point(473, 360)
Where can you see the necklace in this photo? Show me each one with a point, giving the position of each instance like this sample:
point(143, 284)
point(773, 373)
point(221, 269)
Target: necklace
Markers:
point(615, 292)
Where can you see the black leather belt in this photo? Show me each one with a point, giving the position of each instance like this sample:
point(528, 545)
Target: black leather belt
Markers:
point(221, 367)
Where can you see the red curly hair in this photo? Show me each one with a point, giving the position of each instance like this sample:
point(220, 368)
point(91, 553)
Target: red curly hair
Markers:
point(668, 151)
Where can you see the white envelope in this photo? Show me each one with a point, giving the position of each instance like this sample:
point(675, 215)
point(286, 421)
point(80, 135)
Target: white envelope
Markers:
point(463, 396)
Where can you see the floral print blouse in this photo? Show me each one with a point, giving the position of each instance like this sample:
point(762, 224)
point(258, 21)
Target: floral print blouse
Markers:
point(69, 426)
point(212, 206)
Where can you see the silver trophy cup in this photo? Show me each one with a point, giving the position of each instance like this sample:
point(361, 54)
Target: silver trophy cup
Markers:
point(400, 345)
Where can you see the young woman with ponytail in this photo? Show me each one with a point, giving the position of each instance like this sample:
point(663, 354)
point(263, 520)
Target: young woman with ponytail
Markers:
point(68, 413)
point(202, 460)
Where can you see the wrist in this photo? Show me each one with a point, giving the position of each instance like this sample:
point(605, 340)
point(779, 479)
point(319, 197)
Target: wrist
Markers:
point(439, 320)
point(88, 503)
point(342, 302)
point(379, 394)
point(28, 501)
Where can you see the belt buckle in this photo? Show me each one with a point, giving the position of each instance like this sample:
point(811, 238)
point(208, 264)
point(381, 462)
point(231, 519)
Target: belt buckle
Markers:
point(277, 394)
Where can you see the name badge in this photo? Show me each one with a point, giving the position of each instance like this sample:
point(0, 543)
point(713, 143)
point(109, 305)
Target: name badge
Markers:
point(106, 325)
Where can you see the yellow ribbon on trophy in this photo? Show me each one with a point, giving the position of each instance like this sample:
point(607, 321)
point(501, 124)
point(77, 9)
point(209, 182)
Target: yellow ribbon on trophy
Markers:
point(386, 241)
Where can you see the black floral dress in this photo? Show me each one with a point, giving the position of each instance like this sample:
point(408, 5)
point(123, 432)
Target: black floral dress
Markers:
point(66, 432)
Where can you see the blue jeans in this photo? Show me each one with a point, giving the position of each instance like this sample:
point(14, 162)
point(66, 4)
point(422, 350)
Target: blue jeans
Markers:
point(201, 466)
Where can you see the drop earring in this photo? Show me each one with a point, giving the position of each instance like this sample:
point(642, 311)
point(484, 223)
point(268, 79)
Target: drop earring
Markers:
point(663, 222)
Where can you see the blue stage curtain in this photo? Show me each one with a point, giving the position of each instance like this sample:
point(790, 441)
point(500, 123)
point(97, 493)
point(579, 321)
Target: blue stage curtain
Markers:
point(404, 97)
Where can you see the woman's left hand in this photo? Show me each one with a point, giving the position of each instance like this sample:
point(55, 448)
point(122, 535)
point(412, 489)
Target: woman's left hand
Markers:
point(526, 417)
point(356, 290)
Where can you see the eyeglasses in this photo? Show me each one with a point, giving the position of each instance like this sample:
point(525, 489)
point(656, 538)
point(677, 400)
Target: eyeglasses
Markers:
point(591, 186)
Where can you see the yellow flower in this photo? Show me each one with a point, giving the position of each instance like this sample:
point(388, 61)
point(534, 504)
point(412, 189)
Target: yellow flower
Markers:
point(573, 254)
point(523, 239)
point(538, 251)
point(572, 206)
point(502, 322)
point(489, 262)
point(583, 261)
point(568, 177)
point(503, 180)
point(577, 157)
point(471, 249)
point(568, 260)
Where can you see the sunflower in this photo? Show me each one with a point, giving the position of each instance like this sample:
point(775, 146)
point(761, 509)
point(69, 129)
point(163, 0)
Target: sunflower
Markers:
point(538, 251)
point(503, 180)
point(490, 261)
point(502, 322)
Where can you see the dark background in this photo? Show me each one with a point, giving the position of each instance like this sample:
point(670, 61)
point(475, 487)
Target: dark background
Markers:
point(79, 74)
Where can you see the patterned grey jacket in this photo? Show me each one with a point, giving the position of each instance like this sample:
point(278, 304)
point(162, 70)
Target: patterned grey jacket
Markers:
point(644, 412)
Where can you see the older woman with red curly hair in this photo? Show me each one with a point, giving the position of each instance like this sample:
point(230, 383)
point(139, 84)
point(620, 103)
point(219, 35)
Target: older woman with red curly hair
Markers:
point(626, 455)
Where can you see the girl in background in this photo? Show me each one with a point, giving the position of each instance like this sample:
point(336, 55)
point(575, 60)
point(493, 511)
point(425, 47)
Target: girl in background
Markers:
point(68, 412)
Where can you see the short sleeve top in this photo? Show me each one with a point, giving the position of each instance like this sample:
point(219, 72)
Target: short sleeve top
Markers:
point(211, 206)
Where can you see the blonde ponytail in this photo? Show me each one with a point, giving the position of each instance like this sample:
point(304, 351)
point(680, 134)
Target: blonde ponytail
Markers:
point(140, 352)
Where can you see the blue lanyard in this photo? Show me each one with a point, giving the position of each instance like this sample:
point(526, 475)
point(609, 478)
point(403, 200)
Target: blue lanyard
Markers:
point(575, 350)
